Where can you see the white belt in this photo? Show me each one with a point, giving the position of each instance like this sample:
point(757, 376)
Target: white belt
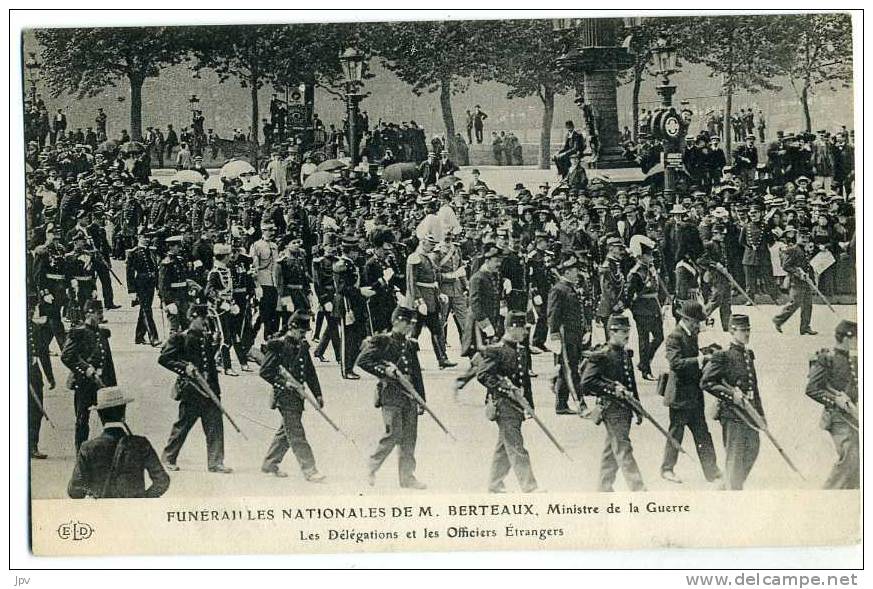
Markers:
point(55, 276)
point(178, 285)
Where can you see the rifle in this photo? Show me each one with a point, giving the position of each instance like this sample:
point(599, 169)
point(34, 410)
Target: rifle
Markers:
point(515, 393)
point(723, 271)
point(410, 391)
point(805, 277)
point(756, 421)
point(568, 376)
point(628, 399)
point(203, 386)
point(39, 405)
point(307, 396)
point(851, 410)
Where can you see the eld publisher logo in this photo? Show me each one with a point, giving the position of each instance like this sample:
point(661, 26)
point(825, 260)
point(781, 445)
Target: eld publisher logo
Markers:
point(75, 531)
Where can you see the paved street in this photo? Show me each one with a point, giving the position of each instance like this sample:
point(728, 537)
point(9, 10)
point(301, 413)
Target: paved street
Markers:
point(447, 467)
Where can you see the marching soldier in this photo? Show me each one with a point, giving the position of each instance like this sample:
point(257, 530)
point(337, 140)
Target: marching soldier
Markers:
point(641, 295)
point(611, 279)
point(384, 356)
point(292, 280)
point(49, 276)
point(37, 353)
point(453, 284)
point(756, 238)
point(609, 375)
point(350, 305)
point(484, 323)
point(731, 377)
point(243, 290)
point(540, 279)
point(715, 261)
point(795, 262)
point(265, 254)
point(569, 332)
point(502, 365)
point(173, 284)
point(291, 352)
point(113, 465)
point(142, 279)
point(80, 275)
point(422, 291)
point(191, 354)
point(219, 293)
point(380, 274)
point(833, 382)
point(102, 266)
point(87, 354)
point(683, 394)
point(325, 291)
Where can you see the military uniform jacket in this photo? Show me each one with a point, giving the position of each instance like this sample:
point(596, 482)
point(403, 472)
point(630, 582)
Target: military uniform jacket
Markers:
point(512, 269)
point(219, 285)
point(714, 252)
point(736, 367)
point(687, 281)
point(837, 370)
point(510, 360)
point(372, 277)
point(49, 272)
point(293, 356)
point(86, 347)
point(604, 367)
point(194, 347)
point(683, 387)
point(484, 303)
point(264, 255)
point(452, 273)
point(142, 270)
point(95, 461)
point(172, 279)
point(641, 291)
point(131, 216)
point(348, 293)
point(756, 239)
point(377, 351)
point(794, 259)
point(243, 284)
point(292, 275)
point(80, 266)
point(611, 286)
point(422, 281)
point(539, 274)
point(565, 311)
point(322, 274)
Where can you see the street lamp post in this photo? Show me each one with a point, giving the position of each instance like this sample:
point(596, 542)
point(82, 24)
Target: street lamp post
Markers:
point(668, 125)
point(33, 67)
point(352, 62)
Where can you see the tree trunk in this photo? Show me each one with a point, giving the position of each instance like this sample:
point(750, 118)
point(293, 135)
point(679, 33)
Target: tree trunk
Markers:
point(135, 108)
point(448, 117)
point(728, 127)
point(546, 131)
point(804, 102)
point(253, 88)
point(635, 102)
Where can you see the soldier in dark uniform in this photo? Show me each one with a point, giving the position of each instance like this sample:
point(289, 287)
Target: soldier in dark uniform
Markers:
point(453, 284)
point(383, 356)
point(380, 274)
point(241, 331)
point(609, 375)
point(37, 353)
point(87, 354)
point(350, 305)
point(131, 218)
point(611, 279)
point(795, 262)
point(186, 353)
point(683, 394)
point(142, 279)
point(422, 291)
point(291, 352)
point(49, 278)
point(540, 277)
point(569, 332)
point(173, 284)
point(756, 239)
point(715, 261)
point(80, 275)
point(219, 293)
point(325, 291)
point(113, 465)
point(641, 295)
point(102, 250)
point(833, 382)
point(503, 365)
point(484, 323)
point(293, 282)
point(730, 376)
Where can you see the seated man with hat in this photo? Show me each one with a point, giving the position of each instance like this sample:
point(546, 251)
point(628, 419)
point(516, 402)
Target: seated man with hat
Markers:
point(113, 465)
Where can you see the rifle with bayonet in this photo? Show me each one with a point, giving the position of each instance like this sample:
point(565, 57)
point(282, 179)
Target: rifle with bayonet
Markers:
point(846, 406)
point(307, 396)
point(201, 385)
point(409, 389)
point(724, 272)
point(805, 277)
point(517, 395)
point(623, 395)
point(39, 405)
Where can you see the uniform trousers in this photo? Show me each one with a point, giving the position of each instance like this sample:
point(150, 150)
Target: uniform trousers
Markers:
point(34, 414)
point(741, 444)
point(84, 395)
point(102, 271)
point(541, 326)
point(290, 435)
point(192, 407)
point(179, 320)
point(434, 325)
point(331, 336)
point(457, 306)
point(401, 430)
point(618, 451)
point(562, 390)
point(800, 298)
point(510, 451)
point(650, 333)
point(695, 420)
point(145, 321)
point(760, 279)
point(268, 315)
point(720, 298)
point(845, 473)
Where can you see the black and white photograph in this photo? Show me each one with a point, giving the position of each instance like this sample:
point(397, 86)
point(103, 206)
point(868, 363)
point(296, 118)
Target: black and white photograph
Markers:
point(630, 240)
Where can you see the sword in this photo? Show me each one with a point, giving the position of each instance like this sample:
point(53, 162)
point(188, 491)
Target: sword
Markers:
point(811, 283)
point(39, 405)
point(568, 376)
point(726, 274)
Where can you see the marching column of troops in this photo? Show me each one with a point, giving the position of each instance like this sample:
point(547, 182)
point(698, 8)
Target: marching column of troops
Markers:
point(372, 262)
